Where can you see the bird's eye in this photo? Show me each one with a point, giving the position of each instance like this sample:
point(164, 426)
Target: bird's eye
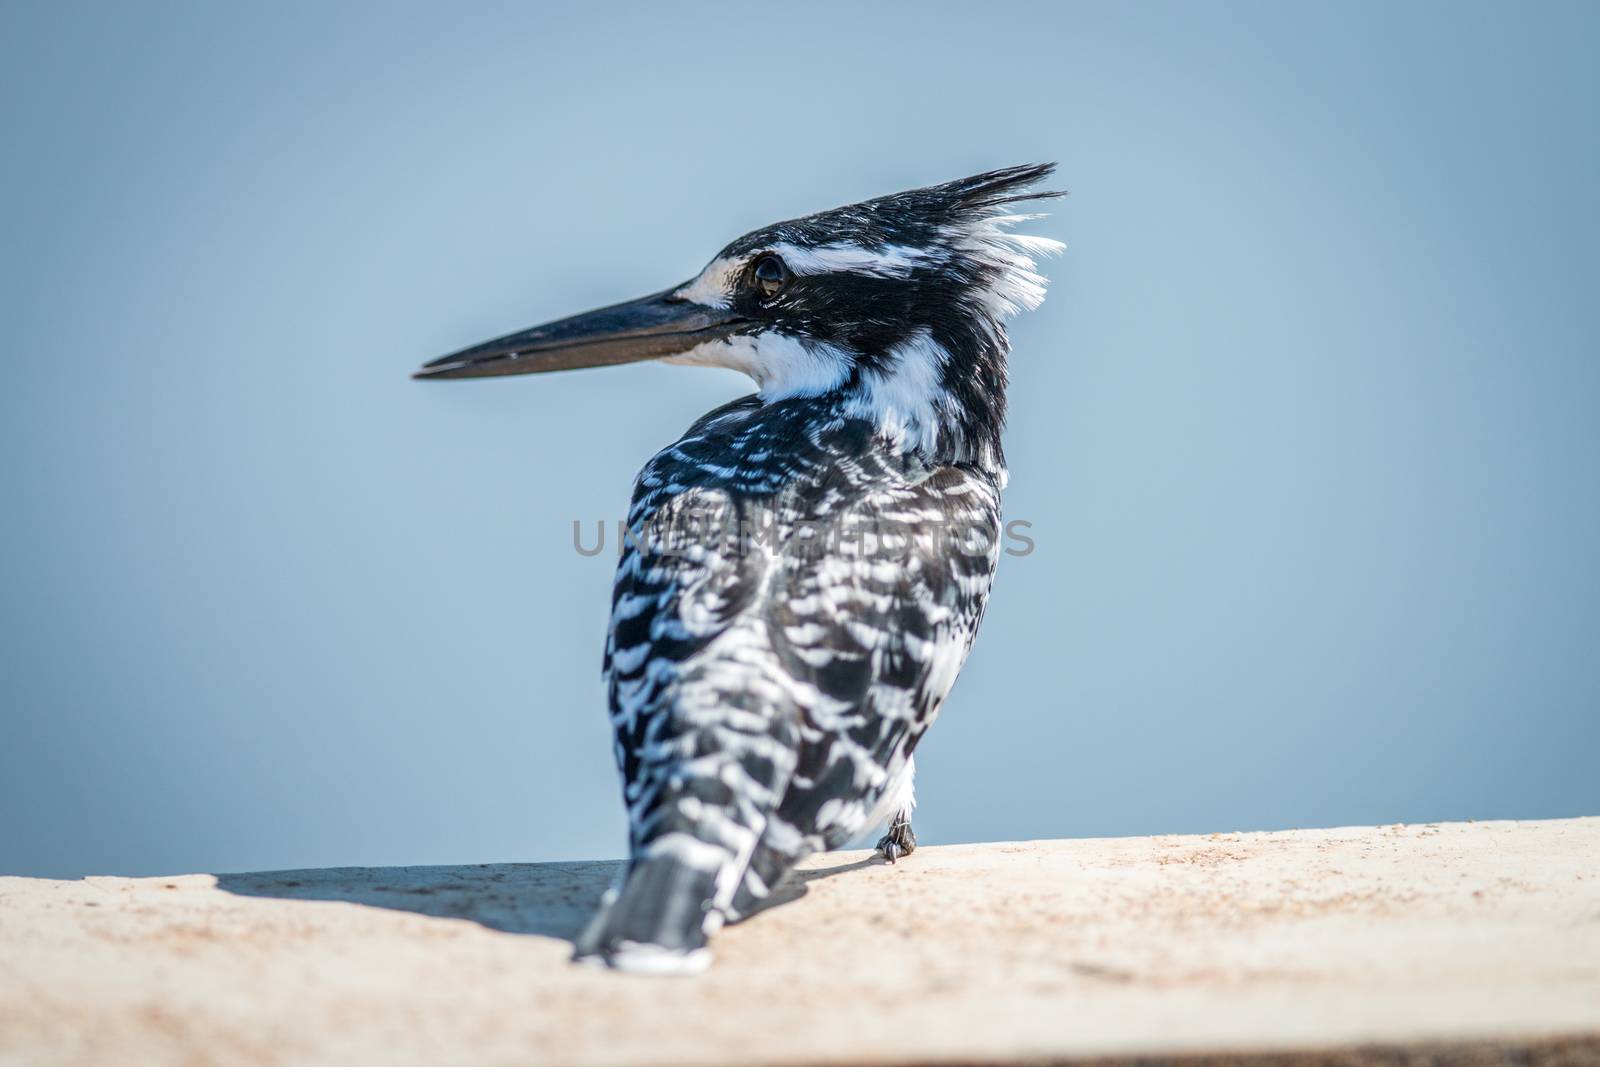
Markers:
point(769, 274)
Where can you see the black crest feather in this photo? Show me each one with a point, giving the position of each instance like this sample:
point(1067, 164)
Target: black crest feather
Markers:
point(913, 217)
point(1008, 185)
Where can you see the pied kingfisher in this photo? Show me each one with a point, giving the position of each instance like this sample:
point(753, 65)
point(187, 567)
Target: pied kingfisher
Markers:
point(806, 567)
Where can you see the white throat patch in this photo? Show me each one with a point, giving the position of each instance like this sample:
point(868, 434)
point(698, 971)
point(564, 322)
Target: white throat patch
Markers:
point(782, 366)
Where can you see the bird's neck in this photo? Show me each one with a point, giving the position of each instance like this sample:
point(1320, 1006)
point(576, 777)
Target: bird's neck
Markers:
point(945, 402)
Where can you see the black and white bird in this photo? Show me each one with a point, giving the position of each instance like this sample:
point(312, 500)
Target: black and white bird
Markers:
point(807, 566)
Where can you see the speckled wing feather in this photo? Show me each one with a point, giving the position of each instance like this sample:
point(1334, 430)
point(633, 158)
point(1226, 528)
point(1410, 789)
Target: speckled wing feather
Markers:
point(792, 606)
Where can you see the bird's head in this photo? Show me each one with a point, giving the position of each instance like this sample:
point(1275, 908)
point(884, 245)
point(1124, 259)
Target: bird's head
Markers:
point(895, 305)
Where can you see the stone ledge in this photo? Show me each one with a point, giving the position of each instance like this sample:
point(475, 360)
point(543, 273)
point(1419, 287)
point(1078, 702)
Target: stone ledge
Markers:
point(1450, 944)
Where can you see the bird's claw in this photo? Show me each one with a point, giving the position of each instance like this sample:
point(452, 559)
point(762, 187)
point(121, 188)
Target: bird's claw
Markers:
point(899, 841)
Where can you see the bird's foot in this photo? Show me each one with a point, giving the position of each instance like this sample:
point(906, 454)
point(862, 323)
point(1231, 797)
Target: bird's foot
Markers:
point(899, 841)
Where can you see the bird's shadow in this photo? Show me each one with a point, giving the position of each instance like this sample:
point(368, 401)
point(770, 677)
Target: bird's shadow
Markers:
point(542, 899)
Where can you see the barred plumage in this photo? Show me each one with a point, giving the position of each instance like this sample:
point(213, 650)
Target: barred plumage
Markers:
point(807, 567)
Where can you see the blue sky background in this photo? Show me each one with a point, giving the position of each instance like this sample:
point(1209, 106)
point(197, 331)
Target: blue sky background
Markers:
point(1307, 430)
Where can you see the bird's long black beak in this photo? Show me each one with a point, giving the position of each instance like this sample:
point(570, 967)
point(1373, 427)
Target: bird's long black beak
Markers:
point(649, 328)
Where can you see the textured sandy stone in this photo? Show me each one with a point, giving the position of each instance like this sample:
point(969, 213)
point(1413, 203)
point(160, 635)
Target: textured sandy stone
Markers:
point(1454, 943)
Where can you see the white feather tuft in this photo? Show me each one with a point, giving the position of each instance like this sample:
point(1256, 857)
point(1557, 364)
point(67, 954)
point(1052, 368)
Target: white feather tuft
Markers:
point(1018, 285)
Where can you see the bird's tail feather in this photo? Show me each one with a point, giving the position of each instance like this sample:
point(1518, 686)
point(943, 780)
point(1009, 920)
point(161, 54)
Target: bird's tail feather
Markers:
point(657, 920)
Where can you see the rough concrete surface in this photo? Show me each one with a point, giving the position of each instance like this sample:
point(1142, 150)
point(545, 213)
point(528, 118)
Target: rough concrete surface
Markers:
point(1454, 943)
